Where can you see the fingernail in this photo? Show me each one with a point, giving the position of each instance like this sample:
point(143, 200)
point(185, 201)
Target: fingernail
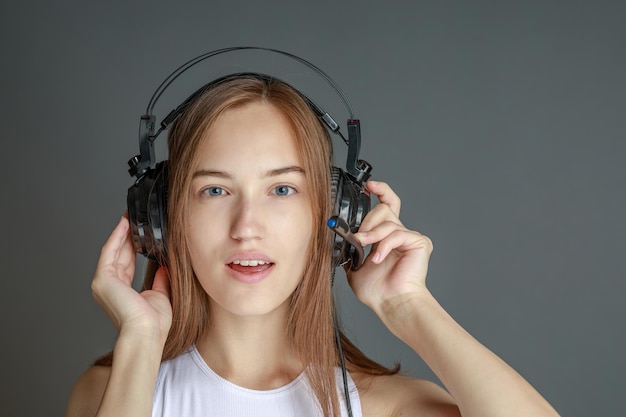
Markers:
point(376, 257)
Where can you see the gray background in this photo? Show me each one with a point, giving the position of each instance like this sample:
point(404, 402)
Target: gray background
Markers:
point(500, 123)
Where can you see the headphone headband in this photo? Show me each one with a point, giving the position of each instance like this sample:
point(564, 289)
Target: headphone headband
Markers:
point(139, 164)
point(192, 62)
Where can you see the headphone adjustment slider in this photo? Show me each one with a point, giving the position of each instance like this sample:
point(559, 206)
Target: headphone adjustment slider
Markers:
point(365, 169)
point(133, 165)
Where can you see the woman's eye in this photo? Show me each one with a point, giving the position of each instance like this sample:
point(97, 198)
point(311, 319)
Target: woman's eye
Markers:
point(213, 191)
point(283, 190)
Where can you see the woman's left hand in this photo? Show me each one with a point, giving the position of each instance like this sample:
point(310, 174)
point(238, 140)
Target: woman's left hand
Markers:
point(392, 282)
point(397, 264)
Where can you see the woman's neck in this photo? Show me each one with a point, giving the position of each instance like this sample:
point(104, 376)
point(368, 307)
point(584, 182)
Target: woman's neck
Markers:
point(253, 351)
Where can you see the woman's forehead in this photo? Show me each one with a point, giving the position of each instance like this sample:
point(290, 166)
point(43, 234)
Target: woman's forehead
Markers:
point(248, 135)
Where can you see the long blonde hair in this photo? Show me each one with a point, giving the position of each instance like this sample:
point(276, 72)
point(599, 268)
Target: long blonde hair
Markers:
point(310, 322)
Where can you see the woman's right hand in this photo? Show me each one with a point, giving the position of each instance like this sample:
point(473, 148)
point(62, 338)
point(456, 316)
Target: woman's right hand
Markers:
point(148, 312)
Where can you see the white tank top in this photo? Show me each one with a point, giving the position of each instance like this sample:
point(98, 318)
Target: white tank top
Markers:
point(187, 387)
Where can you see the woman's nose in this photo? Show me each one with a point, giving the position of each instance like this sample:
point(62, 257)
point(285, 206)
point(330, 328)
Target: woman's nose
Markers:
point(247, 220)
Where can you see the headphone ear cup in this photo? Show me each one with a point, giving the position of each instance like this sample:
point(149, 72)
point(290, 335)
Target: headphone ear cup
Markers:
point(336, 191)
point(147, 213)
point(351, 202)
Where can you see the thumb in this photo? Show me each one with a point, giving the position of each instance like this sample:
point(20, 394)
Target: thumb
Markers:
point(161, 281)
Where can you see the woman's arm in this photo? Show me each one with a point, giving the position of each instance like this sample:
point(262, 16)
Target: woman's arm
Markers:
point(143, 320)
point(393, 283)
point(479, 381)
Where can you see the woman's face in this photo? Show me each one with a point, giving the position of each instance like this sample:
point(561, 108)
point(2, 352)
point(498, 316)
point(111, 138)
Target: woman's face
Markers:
point(250, 221)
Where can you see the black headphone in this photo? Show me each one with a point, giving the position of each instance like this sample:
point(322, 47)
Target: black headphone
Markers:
point(147, 197)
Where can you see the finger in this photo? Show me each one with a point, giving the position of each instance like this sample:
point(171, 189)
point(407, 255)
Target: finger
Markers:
point(385, 195)
point(111, 249)
point(118, 253)
point(401, 240)
point(127, 255)
point(162, 281)
point(379, 214)
point(378, 232)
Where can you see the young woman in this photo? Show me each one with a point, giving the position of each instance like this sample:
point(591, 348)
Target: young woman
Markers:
point(240, 322)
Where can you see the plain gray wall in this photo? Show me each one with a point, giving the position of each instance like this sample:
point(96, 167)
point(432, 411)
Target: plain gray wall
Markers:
point(500, 123)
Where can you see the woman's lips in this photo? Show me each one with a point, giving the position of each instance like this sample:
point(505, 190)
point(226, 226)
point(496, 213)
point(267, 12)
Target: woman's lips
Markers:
point(249, 269)
point(249, 274)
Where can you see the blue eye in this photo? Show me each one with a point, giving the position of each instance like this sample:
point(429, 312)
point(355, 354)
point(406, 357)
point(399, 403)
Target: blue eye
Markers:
point(213, 191)
point(283, 190)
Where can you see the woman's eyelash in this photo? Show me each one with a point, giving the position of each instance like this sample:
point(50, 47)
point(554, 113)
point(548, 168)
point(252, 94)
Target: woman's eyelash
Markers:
point(279, 190)
point(284, 190)
point(213, 191)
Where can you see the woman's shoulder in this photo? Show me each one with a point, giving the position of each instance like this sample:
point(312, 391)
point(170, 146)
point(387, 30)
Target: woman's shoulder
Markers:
point(394, 395)
point(88, 391)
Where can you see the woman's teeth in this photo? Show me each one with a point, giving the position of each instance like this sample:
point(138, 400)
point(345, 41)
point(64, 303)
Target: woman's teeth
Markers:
point(249, 262)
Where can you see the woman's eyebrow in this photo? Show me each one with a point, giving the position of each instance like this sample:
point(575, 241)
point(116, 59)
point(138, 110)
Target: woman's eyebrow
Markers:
point(286, 170)
point(211, 173)
point(271, 173)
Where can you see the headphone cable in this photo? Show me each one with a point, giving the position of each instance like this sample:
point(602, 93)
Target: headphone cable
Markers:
point(344, 372)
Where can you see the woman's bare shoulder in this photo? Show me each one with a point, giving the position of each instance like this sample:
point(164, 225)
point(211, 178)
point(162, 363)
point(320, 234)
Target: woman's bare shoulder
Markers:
point(88, 391)
point(394, 395)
